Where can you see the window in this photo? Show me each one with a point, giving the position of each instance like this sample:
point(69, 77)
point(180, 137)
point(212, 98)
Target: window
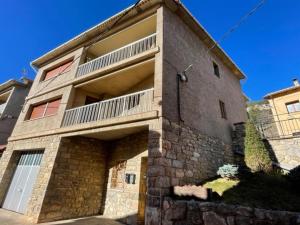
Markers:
point(293, 106)
point(216, 69)
point(45, 109)
point(66, 67)
point(223, 110)
point(118, 175)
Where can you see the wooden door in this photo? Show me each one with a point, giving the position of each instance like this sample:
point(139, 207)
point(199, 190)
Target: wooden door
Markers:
point(143, 191)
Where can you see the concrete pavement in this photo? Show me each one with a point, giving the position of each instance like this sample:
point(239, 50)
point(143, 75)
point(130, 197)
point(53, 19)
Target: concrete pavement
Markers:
point(11, 218)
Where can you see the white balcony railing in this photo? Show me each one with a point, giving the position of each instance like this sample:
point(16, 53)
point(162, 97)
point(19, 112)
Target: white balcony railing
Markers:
point(118, 55)
point(126, 105)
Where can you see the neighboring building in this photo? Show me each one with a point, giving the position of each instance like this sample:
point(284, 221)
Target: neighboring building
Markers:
point(12, 98)
point(285, 105)
point(106, 130)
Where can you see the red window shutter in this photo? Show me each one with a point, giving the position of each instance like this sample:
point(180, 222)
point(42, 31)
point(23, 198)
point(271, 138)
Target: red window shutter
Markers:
point(52, 107)
point(66, 67)
point(57, 70)
point(38, 111)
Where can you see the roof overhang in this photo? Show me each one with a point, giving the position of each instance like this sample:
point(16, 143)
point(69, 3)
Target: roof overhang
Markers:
point(12, 83)
point(282, 92)
point(175, 6)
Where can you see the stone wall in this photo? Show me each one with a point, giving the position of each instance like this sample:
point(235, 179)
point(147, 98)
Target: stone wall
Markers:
point(286, 151)
point(206, 213)
point(123, 203)
point(192, 156)
point(200, 96)
point(77, 182)
point(184, 156)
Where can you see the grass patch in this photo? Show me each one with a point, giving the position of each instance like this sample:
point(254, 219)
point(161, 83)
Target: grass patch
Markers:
point(221, 185)
point(257, 190)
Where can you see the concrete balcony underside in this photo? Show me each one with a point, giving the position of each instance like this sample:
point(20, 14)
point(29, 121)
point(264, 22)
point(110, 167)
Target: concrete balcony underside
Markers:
point(136, 120)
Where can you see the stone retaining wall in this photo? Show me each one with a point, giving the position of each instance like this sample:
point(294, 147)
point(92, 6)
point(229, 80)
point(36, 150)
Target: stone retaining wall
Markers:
point(286, 151)
point(207, 213)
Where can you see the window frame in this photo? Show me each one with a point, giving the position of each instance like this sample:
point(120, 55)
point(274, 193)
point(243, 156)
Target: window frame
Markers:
point(46, 103)
point(292, 103)
point(216, 69)
point(223, 110)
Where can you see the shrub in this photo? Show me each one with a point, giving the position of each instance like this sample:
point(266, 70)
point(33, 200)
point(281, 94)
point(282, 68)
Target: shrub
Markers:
point(257, 157)
point(228, 171)
point(294, 177)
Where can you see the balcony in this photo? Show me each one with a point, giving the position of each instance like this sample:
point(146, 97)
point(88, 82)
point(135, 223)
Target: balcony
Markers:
point(118, 55)
point(126, 105)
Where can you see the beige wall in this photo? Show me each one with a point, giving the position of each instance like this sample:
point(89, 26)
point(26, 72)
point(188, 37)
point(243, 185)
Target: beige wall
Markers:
point(123, 203)
point(281, 115)
point(34, 127)
point(42, 91)
point(50, 145)
point(39, 86)
point(200, 96)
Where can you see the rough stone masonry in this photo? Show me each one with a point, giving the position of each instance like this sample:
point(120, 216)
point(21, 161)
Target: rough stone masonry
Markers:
point(207, 213)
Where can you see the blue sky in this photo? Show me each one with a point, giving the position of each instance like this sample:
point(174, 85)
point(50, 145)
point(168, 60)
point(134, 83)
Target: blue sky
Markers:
point(266, 47)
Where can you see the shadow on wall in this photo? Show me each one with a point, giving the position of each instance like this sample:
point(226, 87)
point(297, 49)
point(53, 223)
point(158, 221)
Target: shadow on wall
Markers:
point(95, 220)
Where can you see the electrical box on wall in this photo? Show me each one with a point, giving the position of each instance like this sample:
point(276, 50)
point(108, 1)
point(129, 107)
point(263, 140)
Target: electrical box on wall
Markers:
point(130, 178)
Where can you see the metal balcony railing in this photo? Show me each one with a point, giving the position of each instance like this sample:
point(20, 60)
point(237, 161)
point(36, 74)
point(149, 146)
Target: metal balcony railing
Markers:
point(118, 55)
point(281, 126)
point(126, 105)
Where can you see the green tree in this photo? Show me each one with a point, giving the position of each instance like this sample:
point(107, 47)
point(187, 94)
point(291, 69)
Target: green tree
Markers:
point(257, 157)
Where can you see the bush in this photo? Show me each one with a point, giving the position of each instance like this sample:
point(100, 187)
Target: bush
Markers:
point(257, 157)
point(294, 177)
point(228, 171)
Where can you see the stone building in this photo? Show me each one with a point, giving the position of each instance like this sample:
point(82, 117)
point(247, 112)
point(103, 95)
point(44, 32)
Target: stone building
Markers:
point(111, 122)
point(12, 98)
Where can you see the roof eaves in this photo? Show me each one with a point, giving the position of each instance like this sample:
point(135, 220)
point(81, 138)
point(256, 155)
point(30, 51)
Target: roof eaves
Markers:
point(272, 94)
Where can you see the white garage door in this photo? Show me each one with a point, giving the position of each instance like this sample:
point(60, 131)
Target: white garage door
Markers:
point(21, 186)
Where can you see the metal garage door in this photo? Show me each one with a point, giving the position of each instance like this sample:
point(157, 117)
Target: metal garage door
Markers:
point(22, 182)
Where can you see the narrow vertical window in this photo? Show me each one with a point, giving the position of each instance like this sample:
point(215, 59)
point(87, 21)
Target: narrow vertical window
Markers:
point(216, 69)
point(223, 110)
